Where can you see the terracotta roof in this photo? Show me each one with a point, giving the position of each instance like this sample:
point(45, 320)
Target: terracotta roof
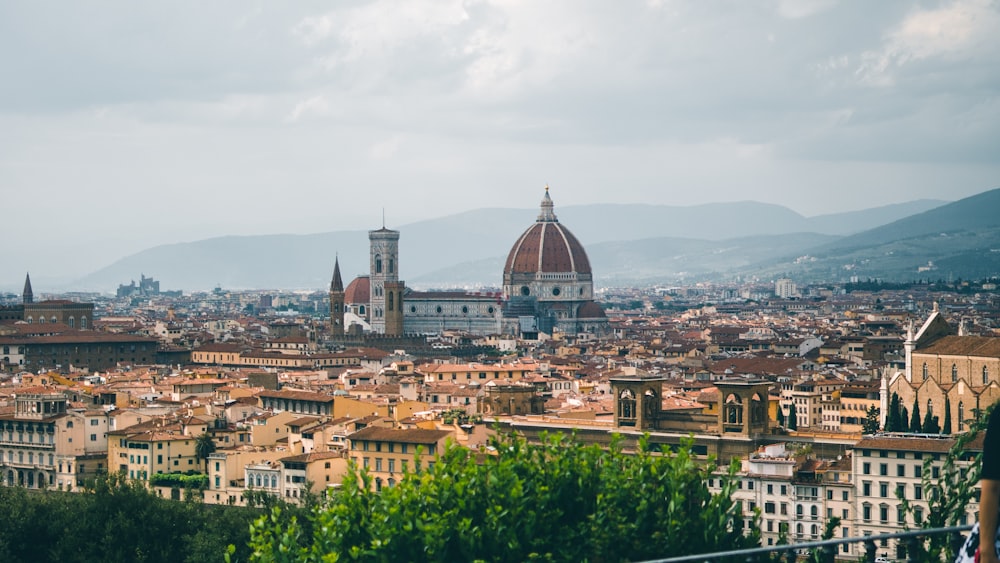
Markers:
point(408, 436)
point(547, 247)
point(358, 291)
point(296, 395)
point(982, 346)
point(909, 444)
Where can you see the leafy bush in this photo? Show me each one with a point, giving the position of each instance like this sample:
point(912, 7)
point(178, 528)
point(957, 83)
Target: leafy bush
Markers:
point(180, 480)
point(557, 501)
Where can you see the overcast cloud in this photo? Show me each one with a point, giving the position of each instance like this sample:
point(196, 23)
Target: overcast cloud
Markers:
point(125, 124)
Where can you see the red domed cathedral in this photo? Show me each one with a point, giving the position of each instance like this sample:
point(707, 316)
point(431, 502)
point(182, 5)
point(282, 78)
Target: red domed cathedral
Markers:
point(548, 287)
point(547, 281)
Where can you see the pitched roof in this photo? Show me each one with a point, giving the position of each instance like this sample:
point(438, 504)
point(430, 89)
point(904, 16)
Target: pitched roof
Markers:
point(401, 435)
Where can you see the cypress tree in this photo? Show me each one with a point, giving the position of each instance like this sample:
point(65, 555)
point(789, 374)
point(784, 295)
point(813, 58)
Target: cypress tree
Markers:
point(947, 416)
point(893, 422)
point(915, 417)
point(930, 425)
point(793, 421)
point(904, 425)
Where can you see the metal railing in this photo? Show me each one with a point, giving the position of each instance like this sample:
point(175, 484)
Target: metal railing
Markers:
point(828, 550)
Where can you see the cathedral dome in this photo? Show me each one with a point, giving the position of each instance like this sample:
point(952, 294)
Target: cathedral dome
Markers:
point(358, 292)
point(547, 247)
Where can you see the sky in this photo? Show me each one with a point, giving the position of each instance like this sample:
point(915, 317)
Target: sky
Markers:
point(124, 125)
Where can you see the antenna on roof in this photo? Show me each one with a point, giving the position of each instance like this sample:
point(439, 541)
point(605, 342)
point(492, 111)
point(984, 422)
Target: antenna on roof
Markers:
point(383, 217)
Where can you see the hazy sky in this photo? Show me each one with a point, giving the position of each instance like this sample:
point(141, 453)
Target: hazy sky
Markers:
point(129, 124)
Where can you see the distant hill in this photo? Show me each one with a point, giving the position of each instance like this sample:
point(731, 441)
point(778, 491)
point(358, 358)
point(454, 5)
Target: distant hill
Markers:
point(472, 245)
point(959, 239)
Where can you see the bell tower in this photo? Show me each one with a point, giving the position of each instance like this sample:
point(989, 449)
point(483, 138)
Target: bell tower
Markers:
point(336, 302)
point(386, 308)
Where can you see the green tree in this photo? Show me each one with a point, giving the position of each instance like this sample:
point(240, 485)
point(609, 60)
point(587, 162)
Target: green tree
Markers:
point(915, 417)
point(793, 421)
point(905, 421)
point(204, 446)
point(947, 416)
point(893, 418)
point(930, 424)
point(871, 423)
point(555, 501)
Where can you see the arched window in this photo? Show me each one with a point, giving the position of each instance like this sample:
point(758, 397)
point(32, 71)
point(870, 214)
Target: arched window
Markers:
point(954, 373)
point(54, 319)
point(72, 322)
point(378, 263)
point(930, 407)
point(83, 322)
point(798, 529)
point(986, 375)
point(961, 416)
point(925, 371)
point(31, 320)
point(813, 511)
point(391, 265)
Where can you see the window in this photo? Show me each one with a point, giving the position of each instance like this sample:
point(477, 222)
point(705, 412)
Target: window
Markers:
point(961, 415)
point(866, 468)
point(924, 371)
point(866, 512)
point(986, 375)
point(900, 470)
point(954, 373)
point(935, 472)
point(813, 511)
point(866, 489)
point(844, 495)
point(883, 490)
point(770, 489)
point(900, 490)
point(392, 466)
point(883, 512)
point(918, 470)
point(900, 515)
point(918, 514)
point(784, 490)
point(768, 508)
point(918, 492)
point(378, 464)
point(93, 437)
point(93, 422)
point(883, 469)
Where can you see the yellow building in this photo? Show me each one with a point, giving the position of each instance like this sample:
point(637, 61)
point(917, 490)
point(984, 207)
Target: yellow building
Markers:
point(388, 453)
point(149, 449)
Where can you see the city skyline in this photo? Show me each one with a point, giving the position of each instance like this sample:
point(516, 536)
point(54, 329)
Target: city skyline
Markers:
point(128, 126)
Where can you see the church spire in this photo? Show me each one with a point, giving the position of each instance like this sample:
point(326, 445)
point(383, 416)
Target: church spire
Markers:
point(27, 295)
point(547, 214)
point(337, 284)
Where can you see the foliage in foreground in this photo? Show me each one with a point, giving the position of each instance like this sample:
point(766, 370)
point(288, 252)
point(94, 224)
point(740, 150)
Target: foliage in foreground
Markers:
point(557, 501)
point(117, 520)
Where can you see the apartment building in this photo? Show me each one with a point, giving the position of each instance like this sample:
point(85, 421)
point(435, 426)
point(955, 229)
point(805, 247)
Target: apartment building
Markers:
point(890, 467)
point(388, 453)
point(46, 445)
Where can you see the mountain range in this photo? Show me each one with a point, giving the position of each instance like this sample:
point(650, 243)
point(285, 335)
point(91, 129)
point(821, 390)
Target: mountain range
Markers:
point(628, 245)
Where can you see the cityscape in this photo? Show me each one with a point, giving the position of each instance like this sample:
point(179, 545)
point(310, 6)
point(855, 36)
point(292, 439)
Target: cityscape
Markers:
point(482, 280)
point(801, 384)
